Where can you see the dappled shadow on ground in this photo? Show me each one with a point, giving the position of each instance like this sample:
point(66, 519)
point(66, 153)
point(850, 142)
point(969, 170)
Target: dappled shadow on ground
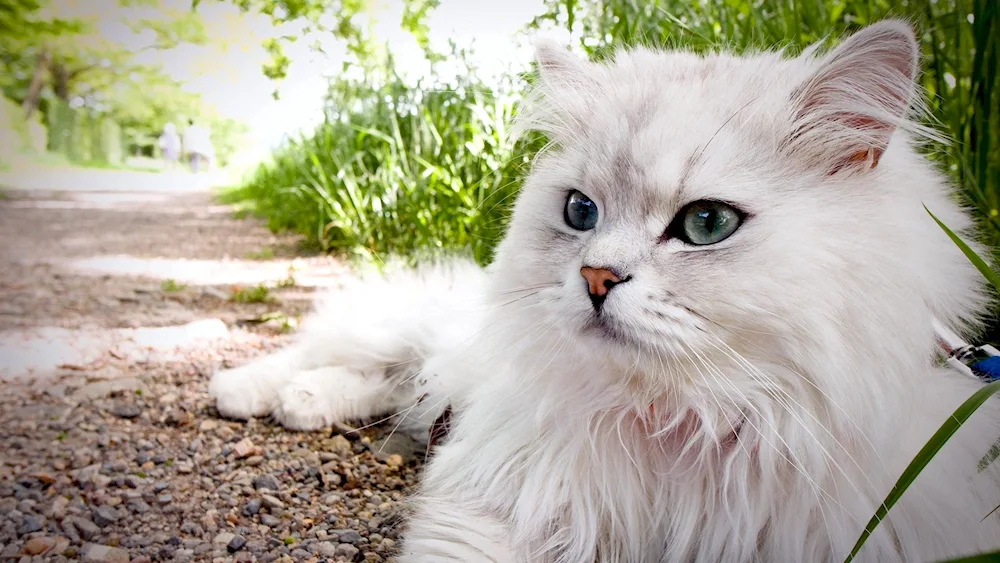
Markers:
point(119, 260)
point(58, 226)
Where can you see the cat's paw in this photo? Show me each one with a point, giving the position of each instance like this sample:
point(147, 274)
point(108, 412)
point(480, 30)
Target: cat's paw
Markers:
point(303, 408)
point(242, 393)
point(315, 399)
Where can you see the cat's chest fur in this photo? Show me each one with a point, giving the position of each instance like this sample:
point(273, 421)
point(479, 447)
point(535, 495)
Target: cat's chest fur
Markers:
point(582, 477)
point(579, 473)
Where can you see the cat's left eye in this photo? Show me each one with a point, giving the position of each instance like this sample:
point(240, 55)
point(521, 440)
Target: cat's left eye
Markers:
point(705, 222)
point(580, 212)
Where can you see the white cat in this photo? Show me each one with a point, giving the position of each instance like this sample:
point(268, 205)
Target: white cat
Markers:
point(707, 335)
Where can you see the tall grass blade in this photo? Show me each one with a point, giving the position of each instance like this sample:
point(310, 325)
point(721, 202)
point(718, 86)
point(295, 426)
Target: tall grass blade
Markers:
point(980, 264)
point(923, 457)
point(992, 557)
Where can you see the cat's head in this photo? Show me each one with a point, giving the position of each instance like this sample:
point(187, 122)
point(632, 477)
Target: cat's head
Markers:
point(691, 207)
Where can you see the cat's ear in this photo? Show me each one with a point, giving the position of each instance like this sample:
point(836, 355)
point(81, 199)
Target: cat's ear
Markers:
point(558, 64)
point(847, 111)
point(559, 105)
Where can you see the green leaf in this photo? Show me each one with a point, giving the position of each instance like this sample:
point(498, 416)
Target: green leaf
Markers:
point(924, 457)
point(980, 264)
point(992, 557)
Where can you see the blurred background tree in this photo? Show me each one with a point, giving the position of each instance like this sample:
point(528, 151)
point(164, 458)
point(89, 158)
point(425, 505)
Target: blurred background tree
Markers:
point(80, 84)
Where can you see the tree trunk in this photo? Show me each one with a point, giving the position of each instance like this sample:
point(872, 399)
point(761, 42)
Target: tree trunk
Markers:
point(30, 103)
point(60, 81)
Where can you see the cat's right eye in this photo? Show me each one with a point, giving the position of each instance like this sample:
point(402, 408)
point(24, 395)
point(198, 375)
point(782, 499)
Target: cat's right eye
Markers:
point(580, 212)
point(705, 222)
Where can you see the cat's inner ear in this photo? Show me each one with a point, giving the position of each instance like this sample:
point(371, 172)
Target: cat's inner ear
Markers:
point(847, 111)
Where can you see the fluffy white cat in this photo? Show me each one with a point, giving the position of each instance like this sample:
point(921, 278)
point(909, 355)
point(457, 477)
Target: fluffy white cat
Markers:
point(707, 335)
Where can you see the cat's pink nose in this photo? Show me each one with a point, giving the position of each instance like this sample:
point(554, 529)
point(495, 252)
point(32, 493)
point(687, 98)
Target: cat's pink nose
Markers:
point(600, 280)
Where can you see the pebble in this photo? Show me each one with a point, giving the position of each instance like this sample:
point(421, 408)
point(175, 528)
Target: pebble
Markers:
point(31, 523)
point(236, 544)
point(244, 448)
point(347, 550)
point(104, 554)
point(37, 546)
point(272, 502)
point(208, 522)
point(160, 486)
point(252, 507)
point(165, 498)
point(347, 536)
point(104, 516)
point(86, 528)
point(269, 521)
point(126, 410)
point(267, 481)
point(223, 538)
point(139, 506)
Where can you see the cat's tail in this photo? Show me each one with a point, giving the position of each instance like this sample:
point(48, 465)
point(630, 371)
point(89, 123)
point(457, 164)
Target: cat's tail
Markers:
point(362, 351)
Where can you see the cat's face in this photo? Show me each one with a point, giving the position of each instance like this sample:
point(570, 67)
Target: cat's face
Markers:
point(690, 206)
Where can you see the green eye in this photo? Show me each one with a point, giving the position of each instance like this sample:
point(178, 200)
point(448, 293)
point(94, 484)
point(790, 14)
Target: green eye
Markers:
point(706, 222)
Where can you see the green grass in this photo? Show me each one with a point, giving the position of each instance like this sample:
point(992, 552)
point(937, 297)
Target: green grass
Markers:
point(395, 170)
point(262, 254)
point(254, 294)
point(171, 286)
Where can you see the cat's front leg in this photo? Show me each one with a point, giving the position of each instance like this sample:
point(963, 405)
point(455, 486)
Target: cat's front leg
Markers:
point(445, 529)
point(251, 390)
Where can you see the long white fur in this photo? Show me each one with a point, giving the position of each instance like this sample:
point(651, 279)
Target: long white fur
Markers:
point(754, 400)
point(363, 352)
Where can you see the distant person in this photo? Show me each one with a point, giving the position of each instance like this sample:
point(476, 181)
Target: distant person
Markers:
point(170, 145)
point(197, 146)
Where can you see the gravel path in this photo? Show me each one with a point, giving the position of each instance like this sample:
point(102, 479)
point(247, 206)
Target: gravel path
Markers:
point(110, 449)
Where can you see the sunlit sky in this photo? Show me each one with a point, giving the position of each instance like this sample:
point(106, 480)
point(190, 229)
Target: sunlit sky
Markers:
point(227, 72)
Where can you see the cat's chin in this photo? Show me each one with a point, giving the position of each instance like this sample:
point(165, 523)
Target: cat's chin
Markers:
point(603, 335)
point(606, 330)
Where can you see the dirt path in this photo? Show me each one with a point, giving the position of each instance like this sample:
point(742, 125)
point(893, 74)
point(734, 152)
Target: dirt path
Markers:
point(120, 294)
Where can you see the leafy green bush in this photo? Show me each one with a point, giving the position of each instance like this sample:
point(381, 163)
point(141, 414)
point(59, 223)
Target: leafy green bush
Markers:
point(17, 133)
point(396, 169)
point(82, 137)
